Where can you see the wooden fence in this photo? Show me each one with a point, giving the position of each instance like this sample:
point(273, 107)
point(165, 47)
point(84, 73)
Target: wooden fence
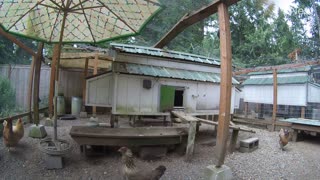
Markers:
point(70, 82)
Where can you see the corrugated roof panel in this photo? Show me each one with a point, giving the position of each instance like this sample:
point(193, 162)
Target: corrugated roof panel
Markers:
point(158, 71)
point(165, 53)
point(280, 80)
point(311, 122)
point(290, 70)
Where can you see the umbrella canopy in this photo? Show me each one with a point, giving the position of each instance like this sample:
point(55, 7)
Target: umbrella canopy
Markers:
point(89, 21)
point(75, 21)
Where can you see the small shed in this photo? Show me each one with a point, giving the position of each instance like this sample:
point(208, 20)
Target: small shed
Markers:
point(297, 89)
point(147, 80)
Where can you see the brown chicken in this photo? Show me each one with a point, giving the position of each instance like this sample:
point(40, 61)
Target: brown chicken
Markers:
point(12, 134)
point(132, 172)
point(284, 138)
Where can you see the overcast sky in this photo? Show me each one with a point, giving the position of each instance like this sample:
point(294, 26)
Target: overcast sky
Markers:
point(283, 4)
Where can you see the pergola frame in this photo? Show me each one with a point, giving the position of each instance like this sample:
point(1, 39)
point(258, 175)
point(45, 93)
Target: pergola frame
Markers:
point(220, 7)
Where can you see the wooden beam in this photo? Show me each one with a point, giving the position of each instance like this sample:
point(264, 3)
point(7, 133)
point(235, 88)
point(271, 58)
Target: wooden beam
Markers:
point(275, 98)
point(36, 86)
point(270, 68)
point(246, 109)
point(225, 83)
point(233, 141)
point(233, 127)
point(52, 79)
point(260, 122)
point(191, 139)
point(190, 19)
point(31, 73)
point(17, 42)
point(85, 74)
point(9, 71)
point(303, 112)
point(95, 71)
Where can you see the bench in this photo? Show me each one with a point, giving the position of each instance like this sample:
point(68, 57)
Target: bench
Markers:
point(302, 127)
point(133, 116)
point(140, 136)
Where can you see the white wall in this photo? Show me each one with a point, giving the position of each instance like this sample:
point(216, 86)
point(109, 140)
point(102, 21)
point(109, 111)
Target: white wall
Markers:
point(288, 94)
point(99, 91)
point(313, 93)
point(237, 96)
point(132, 97)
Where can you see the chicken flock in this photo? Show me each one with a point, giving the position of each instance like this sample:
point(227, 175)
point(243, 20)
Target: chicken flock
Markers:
point(132, 172)
point(12, 134)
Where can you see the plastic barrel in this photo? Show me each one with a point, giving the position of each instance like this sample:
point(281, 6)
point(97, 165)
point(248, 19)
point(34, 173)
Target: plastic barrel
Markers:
point(61, 106)
point(76, 106)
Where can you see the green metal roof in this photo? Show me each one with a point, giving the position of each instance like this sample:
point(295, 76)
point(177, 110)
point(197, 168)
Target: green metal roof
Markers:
point(280, 80)
point(290, 70)
point(165, 72)
point(165, 53)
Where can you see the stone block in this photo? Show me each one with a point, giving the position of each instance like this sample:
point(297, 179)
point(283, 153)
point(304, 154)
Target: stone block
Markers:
point(249, 145)
point(48, 122)
point(37, 131)
point(54, 162)
point(217, 173)
point(83, 115)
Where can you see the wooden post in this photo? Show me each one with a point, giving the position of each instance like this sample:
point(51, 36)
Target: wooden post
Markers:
point(233, 141)
point(275, 98)
point(17, 42)
point(225, 84)
point(303, 112)
point(191, 139)
point(246, 108)
point(37, 72)
point(52, 79)
point(9, 71)
point(30, 87)
point(85, 74)
point(95, 71)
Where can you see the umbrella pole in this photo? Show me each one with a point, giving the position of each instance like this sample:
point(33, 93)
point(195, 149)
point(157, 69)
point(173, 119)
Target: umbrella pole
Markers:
point(55, 136)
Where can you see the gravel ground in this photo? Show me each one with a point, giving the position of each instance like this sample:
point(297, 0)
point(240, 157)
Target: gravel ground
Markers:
point(301, 160)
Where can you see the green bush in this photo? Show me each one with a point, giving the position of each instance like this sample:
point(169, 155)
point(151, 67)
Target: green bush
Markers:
point(7, 97)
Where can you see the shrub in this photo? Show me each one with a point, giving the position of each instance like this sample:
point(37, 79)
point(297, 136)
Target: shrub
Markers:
point(7, 97)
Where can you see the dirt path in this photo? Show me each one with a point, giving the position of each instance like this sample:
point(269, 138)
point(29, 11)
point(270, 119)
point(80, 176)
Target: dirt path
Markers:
point(300, 161)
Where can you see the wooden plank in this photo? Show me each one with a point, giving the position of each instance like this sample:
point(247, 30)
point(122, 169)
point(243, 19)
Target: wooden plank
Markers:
point(17, 42)
point(190, 19)
point(246, 109)
point(234, 127)
point(306, 127)
point(84, 87)
point(95, 71)
point(233, 141)
point(225, 84)
point(183, 116)
point(275, 98)
point(260, 122)
point(303, 112)
point(191, 140)
point(37, 83)
point(52, 79)
point(31, 73)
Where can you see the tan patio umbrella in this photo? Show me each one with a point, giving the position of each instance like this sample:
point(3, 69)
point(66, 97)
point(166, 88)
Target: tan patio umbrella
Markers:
point(75, 21)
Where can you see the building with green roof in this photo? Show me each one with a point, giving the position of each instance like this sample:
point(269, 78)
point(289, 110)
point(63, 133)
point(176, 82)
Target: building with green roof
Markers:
point(146, 81)
point(297, 87)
